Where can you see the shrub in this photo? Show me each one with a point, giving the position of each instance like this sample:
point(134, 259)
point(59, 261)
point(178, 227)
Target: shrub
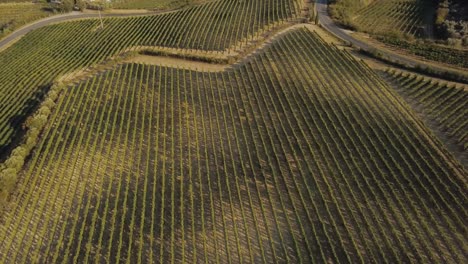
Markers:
point(63, 6)
point(48, 102)
point(454, 42)
point(441, 15)
point(7, 179)
point(465, 40)
point(39, 121)
point(11, 167)
point(44, 111)
point(15, 162)
point(19, 151)
point(81, 5)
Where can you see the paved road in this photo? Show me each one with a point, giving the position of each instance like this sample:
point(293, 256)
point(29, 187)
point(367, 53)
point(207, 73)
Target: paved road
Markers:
point(333, 28)
point(61, 18)
point(321, 7)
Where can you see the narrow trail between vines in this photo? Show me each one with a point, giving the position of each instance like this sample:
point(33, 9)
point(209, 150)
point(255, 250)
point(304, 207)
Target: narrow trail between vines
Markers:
point(185, 58)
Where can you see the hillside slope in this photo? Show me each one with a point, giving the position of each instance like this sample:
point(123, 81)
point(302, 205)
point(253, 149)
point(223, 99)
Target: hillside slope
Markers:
point(31, 65)
point(299, 154)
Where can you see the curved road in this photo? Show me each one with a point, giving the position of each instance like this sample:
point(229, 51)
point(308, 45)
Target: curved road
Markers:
point(333, 28)
point(62, 18)
point(321, 6)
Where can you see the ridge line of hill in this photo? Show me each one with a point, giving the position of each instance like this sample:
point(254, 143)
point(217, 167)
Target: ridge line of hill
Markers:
point(185, 58)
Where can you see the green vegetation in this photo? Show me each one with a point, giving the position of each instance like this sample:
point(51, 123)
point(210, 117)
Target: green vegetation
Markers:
point(405, 23)
point(437, 72)
point(442, 12)
point(345, 10)
point(406, 19)
point(66, 5)
point(13, 1)
point(15, 15)
point(54, 51)
point(431, 51)
point(151, 4)
point(402, 17)
point(451, 21)
point(445, 104)
point(34, 125)
point(298, 154)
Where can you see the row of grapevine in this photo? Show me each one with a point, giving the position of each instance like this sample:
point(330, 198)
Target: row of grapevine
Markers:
point(384, 16)
point(33, 63)
point(445, 103)
point(14, 15)
point(428, 51)
point(298, 154)
point(11, 1)
point(151, 5)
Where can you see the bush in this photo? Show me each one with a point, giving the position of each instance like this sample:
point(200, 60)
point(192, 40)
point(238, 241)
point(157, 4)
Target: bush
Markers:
point(97, 6)
point(9, 170)
point(39, 121)
point(48, 102)
point(441, 15)
point(7, 179)
point(465, 40)
point(63, 6)
point(19, 151)
point(454, 42)
point(15, 162)
point(7, 182)
point(81, 5)
point(44, 110)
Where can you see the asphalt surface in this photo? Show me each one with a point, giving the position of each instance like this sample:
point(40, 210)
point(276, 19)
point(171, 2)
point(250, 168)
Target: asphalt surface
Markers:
point(328, 24)
point(60, 18)
point(321, 6)
point(332, 27)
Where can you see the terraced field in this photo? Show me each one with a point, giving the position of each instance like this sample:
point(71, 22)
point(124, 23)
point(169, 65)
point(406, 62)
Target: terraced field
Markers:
point(299, 154)
point(386, 16)
point(445, 104)
point(54, 50)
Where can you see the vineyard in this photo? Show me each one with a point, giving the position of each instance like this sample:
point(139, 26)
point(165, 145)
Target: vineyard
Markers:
point(53, 50)
point(14, 15)
point(446, 104)
point(430, 51)
point(298, 154)
point(394, 16)
point(151, 4)
point(11, 1)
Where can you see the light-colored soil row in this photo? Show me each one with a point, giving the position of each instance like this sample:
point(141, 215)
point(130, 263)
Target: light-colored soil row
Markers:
point(189, 59)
